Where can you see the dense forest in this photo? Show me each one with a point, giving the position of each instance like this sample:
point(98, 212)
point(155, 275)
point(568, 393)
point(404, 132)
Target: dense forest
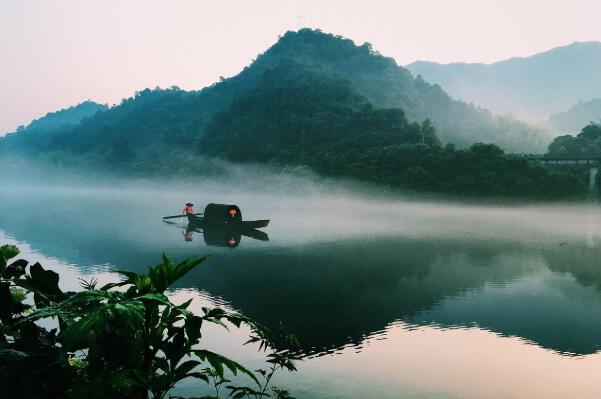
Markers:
point(304, 117)
point(588, 141)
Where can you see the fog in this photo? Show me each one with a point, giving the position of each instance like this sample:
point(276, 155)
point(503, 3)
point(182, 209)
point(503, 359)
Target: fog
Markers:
point(302, 206)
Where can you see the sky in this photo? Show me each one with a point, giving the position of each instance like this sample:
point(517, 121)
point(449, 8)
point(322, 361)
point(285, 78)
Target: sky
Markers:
point(57, 53)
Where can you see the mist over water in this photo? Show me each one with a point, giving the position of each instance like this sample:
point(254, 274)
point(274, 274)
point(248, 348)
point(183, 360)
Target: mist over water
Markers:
point(387, 293)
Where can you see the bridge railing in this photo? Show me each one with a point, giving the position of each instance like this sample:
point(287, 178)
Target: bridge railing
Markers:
point(584, 159)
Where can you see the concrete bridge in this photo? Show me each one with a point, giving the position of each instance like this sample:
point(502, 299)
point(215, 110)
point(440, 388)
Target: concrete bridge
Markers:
point(591, 160)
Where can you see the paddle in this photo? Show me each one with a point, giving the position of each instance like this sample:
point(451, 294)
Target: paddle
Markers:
point(179, 216)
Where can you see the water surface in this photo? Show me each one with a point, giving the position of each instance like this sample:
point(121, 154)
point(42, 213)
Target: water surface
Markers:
point(389, 298)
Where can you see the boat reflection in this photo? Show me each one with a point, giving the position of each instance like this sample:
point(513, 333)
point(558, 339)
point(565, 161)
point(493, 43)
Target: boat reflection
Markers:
point(219, 235)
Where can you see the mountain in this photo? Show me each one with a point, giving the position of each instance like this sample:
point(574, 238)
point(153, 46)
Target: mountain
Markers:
point(66, 117)
point(386, 84)
point(316, 100)
point(40, 131)
point(576, 117)
point(300, 115)
point(154, 123)
point(532, 87)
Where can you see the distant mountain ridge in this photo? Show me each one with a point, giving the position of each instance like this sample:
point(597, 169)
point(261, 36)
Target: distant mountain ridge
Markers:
point(40, 132)
point(574, 119)
point(65, 117)
point(529, 87)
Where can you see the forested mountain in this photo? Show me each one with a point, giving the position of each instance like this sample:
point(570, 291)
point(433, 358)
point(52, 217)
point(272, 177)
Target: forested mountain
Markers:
point(579, 115)
point(154, 123)
point(40, 131)
point(386, 84)
point(532, 87)
point(312, 99)
point(306, 116)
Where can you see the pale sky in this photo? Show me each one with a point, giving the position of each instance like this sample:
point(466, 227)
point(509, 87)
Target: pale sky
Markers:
point(56, 53)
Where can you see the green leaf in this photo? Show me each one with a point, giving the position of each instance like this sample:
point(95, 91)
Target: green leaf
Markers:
point(14, 270)
point(44, 284)
point(130, 314)
point(184, 368)
point(8, 251)
point(165, 274)
point(218, 362)
point(160, 298)
point(185, 304)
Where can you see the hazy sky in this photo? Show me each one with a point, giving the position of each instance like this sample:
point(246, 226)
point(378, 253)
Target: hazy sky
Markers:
point(55, 53)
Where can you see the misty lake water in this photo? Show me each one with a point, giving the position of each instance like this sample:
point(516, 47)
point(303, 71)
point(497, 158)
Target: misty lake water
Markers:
point(389, 298)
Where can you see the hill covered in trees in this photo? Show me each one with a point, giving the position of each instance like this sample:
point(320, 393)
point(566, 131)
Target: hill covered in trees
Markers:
point(157, 122)
point(38, 134)
point(312, 99)
point(580, 114)
point(386, 84)
point(588, 141)
point(532, 87)
point(307, 117)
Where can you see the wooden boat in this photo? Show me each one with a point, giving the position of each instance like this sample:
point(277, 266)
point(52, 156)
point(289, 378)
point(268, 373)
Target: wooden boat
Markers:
point(200, 221)
point(225, 217)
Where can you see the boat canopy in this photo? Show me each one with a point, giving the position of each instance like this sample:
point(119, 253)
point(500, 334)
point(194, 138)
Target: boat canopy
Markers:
point(222, 213)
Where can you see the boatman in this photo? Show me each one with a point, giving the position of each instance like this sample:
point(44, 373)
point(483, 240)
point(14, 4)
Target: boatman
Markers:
point(188, 210)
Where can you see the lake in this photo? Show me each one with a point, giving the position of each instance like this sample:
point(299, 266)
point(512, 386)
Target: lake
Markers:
point(389, 297)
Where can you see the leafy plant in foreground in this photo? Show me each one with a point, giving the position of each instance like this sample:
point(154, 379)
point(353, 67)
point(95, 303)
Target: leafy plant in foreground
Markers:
point(124, 339)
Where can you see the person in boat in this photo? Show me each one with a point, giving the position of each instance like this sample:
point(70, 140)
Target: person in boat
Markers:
point(189, 211)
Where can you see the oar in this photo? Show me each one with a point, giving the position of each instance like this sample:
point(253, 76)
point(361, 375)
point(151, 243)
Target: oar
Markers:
point(179, 216)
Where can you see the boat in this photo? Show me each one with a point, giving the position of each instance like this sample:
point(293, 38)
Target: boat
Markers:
point(226, 216)
point(200, 221)
point(221, 225)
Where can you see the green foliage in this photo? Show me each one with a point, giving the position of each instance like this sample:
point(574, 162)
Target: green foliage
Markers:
point(125, 339)
point(588, 141)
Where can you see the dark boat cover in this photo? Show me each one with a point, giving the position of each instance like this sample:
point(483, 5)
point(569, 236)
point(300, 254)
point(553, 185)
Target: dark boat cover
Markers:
point(222, 213)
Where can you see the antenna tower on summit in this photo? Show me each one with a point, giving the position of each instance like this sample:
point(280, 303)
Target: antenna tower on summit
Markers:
point(301, 21)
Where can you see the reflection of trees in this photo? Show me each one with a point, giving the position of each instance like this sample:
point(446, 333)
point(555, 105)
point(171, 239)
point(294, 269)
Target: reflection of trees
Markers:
point(332, 294)
point(582, 263)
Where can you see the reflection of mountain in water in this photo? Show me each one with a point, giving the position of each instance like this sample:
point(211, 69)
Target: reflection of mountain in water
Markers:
point(330, 295)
